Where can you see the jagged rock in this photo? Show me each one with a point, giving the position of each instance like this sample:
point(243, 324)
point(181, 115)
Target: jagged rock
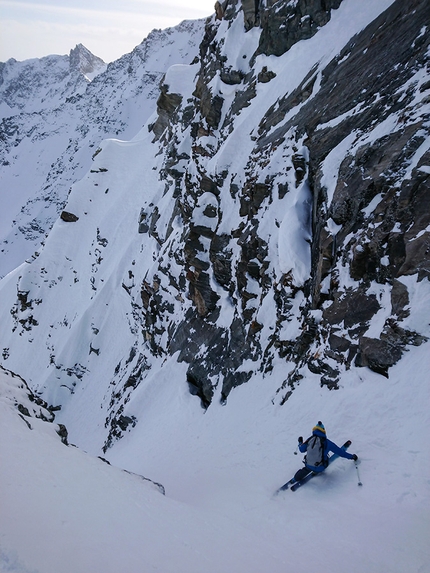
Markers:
point(351, 308)
point(231, 77)
point(29, 404)
point(358, 177)
point(63, 433)
point(230, 8)
point(276, 113)
point(219, 11)
point(400, 337)
point(242, 99)
point(82, 60)
point(253, 196)
point(118, 424)
point(377, 354)
point(284, 24)
point(399, 300)
point(339, 343)
point(220, 257)
point(414, 212)
point(228, 349)
point(318, 366)
point(199, 384)
point(124, 421)
point(167, 104)
point(143, 222)
point(232, 380)
point(207, 185)
point(211, 109)
point(300, 167)
point(250, 13)
point(201, 293)
point(265, 76)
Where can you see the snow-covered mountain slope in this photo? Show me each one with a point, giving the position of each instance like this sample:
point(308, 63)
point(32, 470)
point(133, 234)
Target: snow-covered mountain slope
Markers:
point(258, 248)
point(65, 511)
point(45, 83)
point(53, 117)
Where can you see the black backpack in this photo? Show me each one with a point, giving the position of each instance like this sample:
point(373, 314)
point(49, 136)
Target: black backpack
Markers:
point(315, 451)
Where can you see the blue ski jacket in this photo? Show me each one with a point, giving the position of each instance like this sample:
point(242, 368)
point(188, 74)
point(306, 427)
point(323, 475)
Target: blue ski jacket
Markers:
point(329, 447)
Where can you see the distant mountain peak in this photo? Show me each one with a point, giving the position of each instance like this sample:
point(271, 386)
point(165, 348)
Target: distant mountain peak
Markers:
point(85, 62)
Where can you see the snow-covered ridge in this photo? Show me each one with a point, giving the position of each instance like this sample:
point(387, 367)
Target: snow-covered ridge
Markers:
point(33, 85)
point(53, 118)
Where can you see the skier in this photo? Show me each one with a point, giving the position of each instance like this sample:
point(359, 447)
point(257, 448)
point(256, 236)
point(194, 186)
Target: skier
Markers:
point(317, 447)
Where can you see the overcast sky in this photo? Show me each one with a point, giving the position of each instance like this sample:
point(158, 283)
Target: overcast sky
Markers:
point(109, 28)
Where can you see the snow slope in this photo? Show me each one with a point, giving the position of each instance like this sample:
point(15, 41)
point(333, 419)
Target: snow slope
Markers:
point(64, 511)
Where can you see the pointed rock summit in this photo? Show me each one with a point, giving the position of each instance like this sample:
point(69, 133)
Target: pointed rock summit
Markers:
point(83, 61)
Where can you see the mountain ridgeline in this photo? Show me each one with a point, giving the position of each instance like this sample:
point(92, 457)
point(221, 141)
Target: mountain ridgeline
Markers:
point(55, 111)
point(271, 216)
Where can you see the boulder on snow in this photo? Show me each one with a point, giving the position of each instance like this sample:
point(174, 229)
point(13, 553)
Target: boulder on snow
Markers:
point(69, 217)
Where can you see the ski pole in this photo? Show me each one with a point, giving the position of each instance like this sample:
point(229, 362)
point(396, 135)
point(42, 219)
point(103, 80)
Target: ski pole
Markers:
point(358, 473)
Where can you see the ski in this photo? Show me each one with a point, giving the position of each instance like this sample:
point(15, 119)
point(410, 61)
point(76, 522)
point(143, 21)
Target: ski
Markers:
point(285, 486)
point(293, 486)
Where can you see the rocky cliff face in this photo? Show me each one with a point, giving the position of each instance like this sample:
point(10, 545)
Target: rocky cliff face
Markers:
point(279, 198)
point(354, 133)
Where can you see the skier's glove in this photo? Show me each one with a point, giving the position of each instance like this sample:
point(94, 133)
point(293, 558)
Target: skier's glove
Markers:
point(355, 457)
point(300, 440)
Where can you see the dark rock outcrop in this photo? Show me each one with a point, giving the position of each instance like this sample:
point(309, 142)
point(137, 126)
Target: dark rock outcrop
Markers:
point(30, 405)
point(381, 216)
point(69, 217)
point(285, 24)
point(167, 104)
